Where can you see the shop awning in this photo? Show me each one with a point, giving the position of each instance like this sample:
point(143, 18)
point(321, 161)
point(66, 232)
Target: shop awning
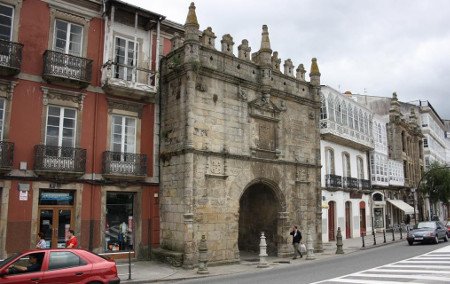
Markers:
point(400, 204)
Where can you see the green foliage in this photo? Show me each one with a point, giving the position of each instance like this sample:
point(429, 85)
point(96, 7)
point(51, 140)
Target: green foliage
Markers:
point(436, 183)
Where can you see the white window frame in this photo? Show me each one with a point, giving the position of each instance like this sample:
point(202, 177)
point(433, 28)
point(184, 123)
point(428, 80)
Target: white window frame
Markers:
point(61, 125)
point(330, 162)
point(123, 133)
point(12, 20)
point(127, 68)
point(68, 33)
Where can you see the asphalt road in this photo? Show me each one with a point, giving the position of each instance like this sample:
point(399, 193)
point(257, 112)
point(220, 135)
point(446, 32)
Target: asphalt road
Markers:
point(319, 270)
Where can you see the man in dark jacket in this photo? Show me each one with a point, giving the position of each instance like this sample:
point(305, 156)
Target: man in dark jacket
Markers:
point(296, 238)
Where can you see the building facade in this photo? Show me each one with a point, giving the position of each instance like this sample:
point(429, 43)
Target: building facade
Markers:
point(79, 124)
point(346, 139)
point(239, 148)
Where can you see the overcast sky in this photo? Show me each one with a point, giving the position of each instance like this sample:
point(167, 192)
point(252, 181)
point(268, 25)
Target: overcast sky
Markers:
point(373, 47)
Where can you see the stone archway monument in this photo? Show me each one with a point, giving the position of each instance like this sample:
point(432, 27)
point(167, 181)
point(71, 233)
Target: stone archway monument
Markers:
point(237, 133)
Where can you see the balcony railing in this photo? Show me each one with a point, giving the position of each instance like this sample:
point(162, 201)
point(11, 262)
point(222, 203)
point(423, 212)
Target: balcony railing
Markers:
point(333, 181)
point(128, 81)
point(6, 156)
point(364, 183)
point(10, 57)
point(124, 164)
point(54, 160)
point(67, 69)
point(350, 182)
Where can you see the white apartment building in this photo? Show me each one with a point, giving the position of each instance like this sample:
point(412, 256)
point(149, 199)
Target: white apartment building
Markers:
point(346, 139)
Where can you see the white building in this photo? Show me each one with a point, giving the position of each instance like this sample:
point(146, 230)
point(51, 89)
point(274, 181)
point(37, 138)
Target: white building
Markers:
point(346, 139)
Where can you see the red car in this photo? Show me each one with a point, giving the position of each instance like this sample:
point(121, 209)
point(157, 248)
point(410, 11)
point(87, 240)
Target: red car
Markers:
point(58, 266)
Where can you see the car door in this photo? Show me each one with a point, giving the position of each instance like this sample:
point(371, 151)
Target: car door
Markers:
point(23, 277)
point(441, 230)
point(65, 266)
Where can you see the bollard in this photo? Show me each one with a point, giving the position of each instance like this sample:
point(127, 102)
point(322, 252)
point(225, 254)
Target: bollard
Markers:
point(374, 238)
point(401, 235)
point(384, 235)
point(129, 265)
point(309, 247)
point(362, 237)
point(202, 257)
point(393, 234)
point(339, 243)
point(262, 252)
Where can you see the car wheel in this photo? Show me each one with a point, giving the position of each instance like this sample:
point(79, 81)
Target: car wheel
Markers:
point(410, 243)
point(436, 240)
point(445, 238)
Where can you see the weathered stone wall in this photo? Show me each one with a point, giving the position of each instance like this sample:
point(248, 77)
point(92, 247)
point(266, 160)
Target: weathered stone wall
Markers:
point(226, 128)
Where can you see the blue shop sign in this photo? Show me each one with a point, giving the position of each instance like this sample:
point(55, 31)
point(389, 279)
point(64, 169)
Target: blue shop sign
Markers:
point(55, 198)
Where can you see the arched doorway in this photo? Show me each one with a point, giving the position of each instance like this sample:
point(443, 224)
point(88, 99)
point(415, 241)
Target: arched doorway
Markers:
point(362, 218)
point(331, 224)
point(258, 212)
point(348, 220)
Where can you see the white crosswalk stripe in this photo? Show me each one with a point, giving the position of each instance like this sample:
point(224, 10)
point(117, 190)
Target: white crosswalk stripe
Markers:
point(432, 267)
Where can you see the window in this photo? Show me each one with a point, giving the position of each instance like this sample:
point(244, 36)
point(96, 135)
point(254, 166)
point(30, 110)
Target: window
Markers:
point(60, 131)
point(360, 165)
point(361, 122)
point(2, 117)
point(331, 106)
point(356, 119)
point(68, 38)
point(346, 165)
point(338, 111)
point(344, 114)
point(323, 108)
point(330, 162)
point(126, 54)
point(123, 134)
point(64, 259)
point(350, 116)
point(425, 142)
point(119, 232)
point(6, 22)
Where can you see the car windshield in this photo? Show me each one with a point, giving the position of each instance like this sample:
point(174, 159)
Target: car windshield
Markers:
point(6, 260)
point(431, 225)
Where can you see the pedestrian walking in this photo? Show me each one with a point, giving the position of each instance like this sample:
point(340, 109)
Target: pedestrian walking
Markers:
point(72, 241)
point(296, 239)
point(41, 244)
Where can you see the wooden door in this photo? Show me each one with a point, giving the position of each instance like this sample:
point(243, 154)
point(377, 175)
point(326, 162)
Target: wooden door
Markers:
point(54, 223)
point(348, 216)
point(362, 218)
point(331, 224)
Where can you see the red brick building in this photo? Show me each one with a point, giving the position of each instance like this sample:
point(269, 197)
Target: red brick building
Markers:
point(79, 123)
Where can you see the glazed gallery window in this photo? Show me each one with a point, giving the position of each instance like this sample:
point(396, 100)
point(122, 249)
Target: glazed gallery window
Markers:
point(119, 231)
point(2, 117)
point(6, 20)
point(68, 38)
point(125, 58)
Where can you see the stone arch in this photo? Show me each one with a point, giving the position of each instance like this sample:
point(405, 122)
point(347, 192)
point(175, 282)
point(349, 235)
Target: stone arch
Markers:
point(260, 205)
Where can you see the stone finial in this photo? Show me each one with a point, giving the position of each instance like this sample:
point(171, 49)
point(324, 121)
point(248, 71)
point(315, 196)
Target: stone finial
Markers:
point(265, 41)
point(301, 72)
point(203, 257)
point(191, 19)
point(314, 75)
point(413, 117)
point(209, 38)
point(275, 61)
point(288, 67)
point(176, 41)
point(227, 44)
point(191, 26)
point(395, 105)
point(244, 50)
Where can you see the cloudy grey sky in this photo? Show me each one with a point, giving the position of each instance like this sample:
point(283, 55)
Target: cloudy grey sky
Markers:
point(372, 47)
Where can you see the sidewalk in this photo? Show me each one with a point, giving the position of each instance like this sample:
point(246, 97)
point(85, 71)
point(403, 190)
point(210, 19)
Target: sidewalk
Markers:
point(152, 271)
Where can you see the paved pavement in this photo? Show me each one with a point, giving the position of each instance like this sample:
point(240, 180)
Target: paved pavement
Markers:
point(153, 271)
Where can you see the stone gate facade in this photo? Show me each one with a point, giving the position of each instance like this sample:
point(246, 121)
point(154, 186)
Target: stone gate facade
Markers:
point(230, 124)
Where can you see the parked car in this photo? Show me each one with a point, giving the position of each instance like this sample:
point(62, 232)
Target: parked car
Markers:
point(58, 266)
point(430, 231)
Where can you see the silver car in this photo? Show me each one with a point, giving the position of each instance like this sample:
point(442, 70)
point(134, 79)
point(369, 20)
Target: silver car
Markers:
point(429, 231)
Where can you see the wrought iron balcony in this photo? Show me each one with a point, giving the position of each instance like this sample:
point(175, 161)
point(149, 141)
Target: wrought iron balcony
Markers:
point(129, 81)
point(350, 182)
point(68, 70)
point(124, 165)
point(364, 183)
point(6, 156)
point(333, 181)
point(58, 161)
point(10, 57)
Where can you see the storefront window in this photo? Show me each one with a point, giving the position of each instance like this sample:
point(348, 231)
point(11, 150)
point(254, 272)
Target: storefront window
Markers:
point(119, 231)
